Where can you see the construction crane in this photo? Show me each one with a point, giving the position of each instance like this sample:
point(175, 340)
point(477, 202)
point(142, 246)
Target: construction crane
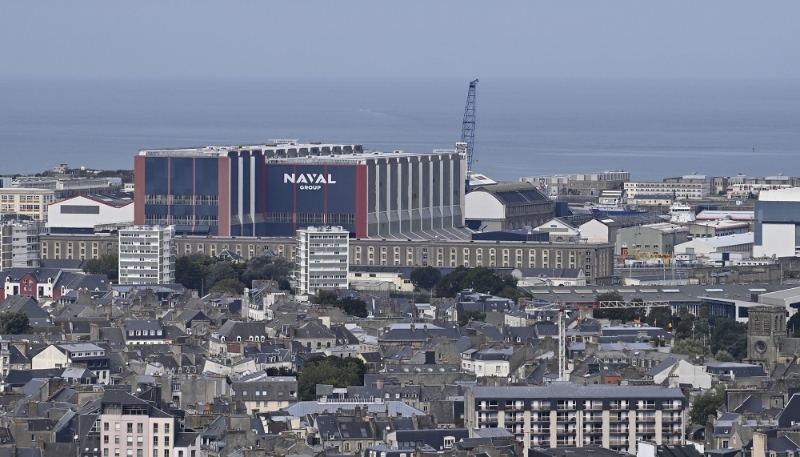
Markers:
point(468, 129)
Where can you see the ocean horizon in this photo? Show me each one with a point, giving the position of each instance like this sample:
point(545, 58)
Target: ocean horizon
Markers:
point(651, 128)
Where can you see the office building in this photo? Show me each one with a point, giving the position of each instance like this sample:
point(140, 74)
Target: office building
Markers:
point(277, 188)
point(26, 202)
point(567, 415)
point(147, 255)
point(322, 258)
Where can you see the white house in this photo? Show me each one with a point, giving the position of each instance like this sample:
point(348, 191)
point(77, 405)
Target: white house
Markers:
point(680, 372)
point(601, 230)
point(77, 354)
point(559, 231)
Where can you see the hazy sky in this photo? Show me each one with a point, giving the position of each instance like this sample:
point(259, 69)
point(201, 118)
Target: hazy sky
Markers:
point(691, 39)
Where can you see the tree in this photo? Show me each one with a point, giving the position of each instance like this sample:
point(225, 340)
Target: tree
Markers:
point(107, 264)
point(220, 270)
point(705, 405)
point(617, 314)
point(425, 277)
point(14, 323)
point(334, 371)
point(451, 283)
point(689, 346)
point(481, 279)
point(191, 269)
point(352, 306)
point(466, 316)
point(724, 356)
point(230, 285)
point(729, 336)
point(660, 317)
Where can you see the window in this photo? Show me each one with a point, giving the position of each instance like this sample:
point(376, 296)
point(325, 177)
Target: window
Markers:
point(130, 441)
point(116, 439)
point(140, 428)
point(130, 428)
point(105, 439)
point(105, 452)
point(155, 452)
point(140, 453)
point(139, 441)
point(166, 441)
point(116, 426)
point(155, 427)
point(180, 453)
point(130, 453)
point(105, 426)
point(166, 452)
point(155, 441)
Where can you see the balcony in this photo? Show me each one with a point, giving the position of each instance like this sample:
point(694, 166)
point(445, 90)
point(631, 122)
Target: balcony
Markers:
point(648, 429)
point(618, 418)
point(618, 441)
point(592, 417)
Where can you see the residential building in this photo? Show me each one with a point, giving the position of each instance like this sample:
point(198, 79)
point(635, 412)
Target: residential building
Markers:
point(679, 190)
point(26, 202)
point(147, 255)
point(86, 355)
point(322, 258)
point(19, 244)
point(564, 414)
point(260, 393)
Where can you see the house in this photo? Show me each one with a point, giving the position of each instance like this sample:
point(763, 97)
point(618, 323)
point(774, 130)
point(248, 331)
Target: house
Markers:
point(599, 230)
point(144, 332)
point(559, 230)
point(259, 392)
point(87, 355)
point(25, 304)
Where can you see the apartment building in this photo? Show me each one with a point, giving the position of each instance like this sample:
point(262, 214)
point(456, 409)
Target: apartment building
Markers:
point(132, 427)
point(568, 415)
point(259, 392)
point(26, 202)
point(88, 355)
point(19, 244)
point(147, 255)
point(322, 258)
point(691, 190)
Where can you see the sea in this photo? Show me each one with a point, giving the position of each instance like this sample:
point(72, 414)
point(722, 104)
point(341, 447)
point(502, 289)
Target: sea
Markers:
point(524, 127)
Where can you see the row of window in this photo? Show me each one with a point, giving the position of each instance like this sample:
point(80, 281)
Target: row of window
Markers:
point(129, 427)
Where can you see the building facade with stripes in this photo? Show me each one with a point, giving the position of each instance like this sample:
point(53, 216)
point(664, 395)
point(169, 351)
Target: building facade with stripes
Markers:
point(275, 189)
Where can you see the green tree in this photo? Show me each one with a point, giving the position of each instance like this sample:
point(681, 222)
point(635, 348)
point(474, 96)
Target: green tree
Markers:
point(689, 346)
point(191, 269)
point(14, 323)
point(466, 316)
point(617, 314)
point(425, 277)
point(352, 306)
point(107, 264)
point(333, 371)
point(705, 405)
point(729, 336)
point(220, 270)
point(724, 356)
point(230, 285)
point(451, 283)
point(660, 316)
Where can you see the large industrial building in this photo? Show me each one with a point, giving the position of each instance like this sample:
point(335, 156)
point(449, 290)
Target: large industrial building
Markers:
point(277, 188)
point(777, 224)
point(596, 260)
point(507, 206)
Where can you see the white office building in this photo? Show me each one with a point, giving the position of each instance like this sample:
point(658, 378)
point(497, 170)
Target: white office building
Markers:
point(147, 255)
point(323, 258)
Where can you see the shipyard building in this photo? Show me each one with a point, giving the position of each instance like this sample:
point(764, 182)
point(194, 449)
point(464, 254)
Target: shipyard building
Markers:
point(277, 188)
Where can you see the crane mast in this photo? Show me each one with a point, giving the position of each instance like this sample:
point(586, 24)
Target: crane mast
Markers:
point(468, 127)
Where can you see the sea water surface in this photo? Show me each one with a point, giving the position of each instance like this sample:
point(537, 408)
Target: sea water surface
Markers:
point(525, 127)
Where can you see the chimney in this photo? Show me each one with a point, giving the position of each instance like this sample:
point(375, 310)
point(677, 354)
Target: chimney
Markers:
point(759, 444)
point(413, 328)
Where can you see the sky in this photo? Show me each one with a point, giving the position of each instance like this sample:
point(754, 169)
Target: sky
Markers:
point(525, 39)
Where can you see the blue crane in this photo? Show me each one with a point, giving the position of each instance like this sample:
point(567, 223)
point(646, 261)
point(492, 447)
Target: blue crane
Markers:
point(468, 127)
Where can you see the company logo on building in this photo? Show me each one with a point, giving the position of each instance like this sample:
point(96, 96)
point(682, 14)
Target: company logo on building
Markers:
point(308, 178)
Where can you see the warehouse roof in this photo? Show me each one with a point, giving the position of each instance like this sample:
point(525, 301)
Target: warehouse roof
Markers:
point(515, 193)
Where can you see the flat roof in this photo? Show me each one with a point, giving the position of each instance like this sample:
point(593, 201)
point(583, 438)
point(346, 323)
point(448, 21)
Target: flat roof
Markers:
point(568, 390)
